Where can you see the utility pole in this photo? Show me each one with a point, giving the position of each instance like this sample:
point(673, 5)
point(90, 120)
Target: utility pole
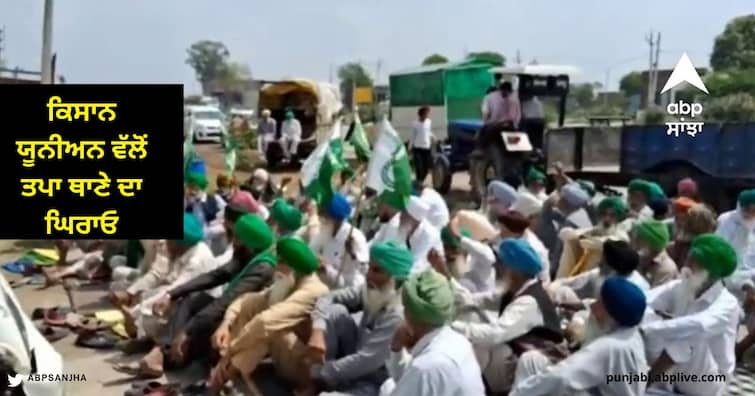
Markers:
point(650, 93)
point(377, 71)
point(2, 41)
point(518, 57)
point(46, 67)
point(655, 65)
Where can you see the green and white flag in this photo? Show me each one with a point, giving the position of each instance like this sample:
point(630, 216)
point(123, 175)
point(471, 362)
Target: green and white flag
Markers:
point(319, 168)
point(389, 168)
point(359, 140)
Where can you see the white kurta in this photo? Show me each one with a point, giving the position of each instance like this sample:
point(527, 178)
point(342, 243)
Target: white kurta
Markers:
point(441, 364)
point(700, 337)
point(731, 226)
point(480, 260)
point(621, 352)
point(438, 215)
point(342, 271)
point(542, 253)
point(424, 238)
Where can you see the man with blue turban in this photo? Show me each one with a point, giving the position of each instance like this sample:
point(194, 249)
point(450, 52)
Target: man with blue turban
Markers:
point(349, 354)
point(557, 215)
point(206, 207)
point(342, 248)
point(500, 197)
point(596, 368)
point(521, 316)
point(696, 322)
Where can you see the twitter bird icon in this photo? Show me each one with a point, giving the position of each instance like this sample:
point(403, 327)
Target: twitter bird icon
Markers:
point(15, 380)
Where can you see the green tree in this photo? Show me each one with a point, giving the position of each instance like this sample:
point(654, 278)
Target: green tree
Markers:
point(631, 84)
point(583, 95)
point(491, 57)
point(735, 107)
point(209, 59)
point(234, 74)
point(434, 59)
point(722, 83)
point(351, 75)
point(735, 47)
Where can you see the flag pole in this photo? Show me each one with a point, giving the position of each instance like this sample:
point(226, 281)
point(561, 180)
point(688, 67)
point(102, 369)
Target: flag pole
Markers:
point(351, 231)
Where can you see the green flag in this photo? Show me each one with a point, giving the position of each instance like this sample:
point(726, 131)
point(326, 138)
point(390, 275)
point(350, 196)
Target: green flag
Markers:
point(320, 167)
point(359, 140)
point(389, 169)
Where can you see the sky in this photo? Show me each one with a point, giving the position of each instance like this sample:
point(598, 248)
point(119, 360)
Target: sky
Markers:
point(145, 41)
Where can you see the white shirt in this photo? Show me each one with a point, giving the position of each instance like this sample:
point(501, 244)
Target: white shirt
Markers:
point(480, 260)
point(616, 353)
point(700, 337)
point(424, 238)
point(579, 282)
point(439, 215)
point(733, 229)
point(332, 250)
point(542, 252)
point(422, 134)
point(442, 363)
point(291, 128)
point(518, 318)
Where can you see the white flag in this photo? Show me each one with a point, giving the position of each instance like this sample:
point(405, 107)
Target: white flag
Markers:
point(382, 153)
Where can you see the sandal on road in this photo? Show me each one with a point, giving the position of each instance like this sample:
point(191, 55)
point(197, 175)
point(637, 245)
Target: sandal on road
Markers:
point(137, 370)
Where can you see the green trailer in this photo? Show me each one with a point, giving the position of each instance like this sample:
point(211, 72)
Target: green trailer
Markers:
point(453, 91)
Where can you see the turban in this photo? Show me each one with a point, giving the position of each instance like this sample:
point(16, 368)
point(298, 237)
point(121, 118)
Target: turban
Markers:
point(623, 300)
point(261, 174)
point(197, 166)
point(639, 185)
point(502, 192)
point(659, 207)
point(339, 208)
point(574, 195)
point(616, 204)
point(253, 232)
point(518, 255)
point(514, 221)
point(655, 191)
point(686, 187)
point(289, 114)
point(428, 298)
point(683, 204)
point(654, 233)
point(715, 254)
point(393, 200)
point(588, 186)
point(286, 215)
point(746, 198)
point(527, 204)
point(296, 254)
point(417, 208)
point(245, 200)
point(534, 175)
point(620, 256)
point(451, 240)
point(197, 179)
point(394, 259)
point(193, 231)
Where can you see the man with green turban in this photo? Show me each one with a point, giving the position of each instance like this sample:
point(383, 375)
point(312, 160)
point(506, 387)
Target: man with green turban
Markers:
point(535, 184)
point(186, 259)
point(206, 207)
point(694, 329)
point(651, 237)
point(290, 134)
point(427, 357)
point(640, 193)
point(349, 351)
point(285, 218)
point(737, 227)
point(268, 322)
point(467, 260)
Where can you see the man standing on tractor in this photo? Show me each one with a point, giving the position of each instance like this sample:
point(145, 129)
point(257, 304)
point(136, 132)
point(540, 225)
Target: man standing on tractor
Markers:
point(533, 119)
point(502, 108)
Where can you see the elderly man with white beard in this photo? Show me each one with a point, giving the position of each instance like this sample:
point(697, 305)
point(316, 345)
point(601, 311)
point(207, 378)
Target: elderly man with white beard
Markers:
point(270, 322)
point(600, 366)
point(352, 328)
point(696, 329)
point(519, 316)
point(468, 261)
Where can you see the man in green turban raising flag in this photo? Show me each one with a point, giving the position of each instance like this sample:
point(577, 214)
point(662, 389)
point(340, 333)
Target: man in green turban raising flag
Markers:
point(428, 358)
point(696, 321)
point(651, 237)
point(348, 355)
point(467, 260)
point(267, 322)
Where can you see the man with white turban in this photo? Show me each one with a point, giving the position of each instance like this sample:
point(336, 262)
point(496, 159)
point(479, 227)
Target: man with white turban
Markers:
point(438, 215)
point(266, 130)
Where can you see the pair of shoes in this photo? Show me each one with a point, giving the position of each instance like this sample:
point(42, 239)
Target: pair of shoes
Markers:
point(97, 340)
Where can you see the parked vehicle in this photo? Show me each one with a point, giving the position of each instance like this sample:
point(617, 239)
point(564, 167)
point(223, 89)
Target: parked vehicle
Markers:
point(205, 123)
point(719, 158)
point(24, 351)
point(314, 104)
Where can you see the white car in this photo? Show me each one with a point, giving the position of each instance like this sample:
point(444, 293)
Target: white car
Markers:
point(205, 123)
point(23, 349)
